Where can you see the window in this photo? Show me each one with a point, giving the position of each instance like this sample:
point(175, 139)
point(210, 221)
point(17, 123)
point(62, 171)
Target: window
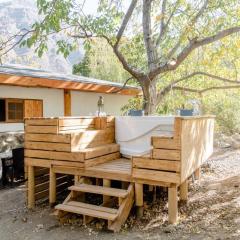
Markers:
point(2, 110)
point(15, 110)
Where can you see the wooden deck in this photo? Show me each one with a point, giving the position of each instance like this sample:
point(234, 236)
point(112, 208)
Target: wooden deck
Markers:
point(118, 169)
point(85, 148)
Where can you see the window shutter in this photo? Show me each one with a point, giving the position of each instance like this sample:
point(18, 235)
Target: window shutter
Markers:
point(33, 108)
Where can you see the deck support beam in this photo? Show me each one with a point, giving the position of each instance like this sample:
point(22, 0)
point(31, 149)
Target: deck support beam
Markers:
point(172, 204)
point(184, 191)
point(106, 183)
point(125, 185)
point(52, 187)
point(139, 199)
point(31, 187)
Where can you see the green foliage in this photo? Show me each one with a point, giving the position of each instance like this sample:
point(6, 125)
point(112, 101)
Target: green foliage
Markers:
point(83, 68)
point(133, 104)
point(100, 62)
point(220, 58)
point(225, 106)
point(137, 56)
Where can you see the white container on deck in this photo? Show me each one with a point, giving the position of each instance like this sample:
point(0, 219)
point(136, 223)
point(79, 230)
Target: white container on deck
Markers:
point(133, 134)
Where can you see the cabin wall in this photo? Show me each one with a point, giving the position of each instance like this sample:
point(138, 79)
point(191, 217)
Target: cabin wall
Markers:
point(52, 102)
point(85, 103)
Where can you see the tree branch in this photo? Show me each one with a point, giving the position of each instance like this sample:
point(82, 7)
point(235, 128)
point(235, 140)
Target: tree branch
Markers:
point(125, 21)
point(161, 34)
point(171, 86)
point(123, 86)
point(193, 44)
point(10, 44)
point(204, 74)
point(135, 73)
point(191, 24)
point(146, 23)
point(206, 89)
point(162, 23)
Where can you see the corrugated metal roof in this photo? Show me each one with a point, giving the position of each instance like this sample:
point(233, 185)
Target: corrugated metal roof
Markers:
point(20, 70)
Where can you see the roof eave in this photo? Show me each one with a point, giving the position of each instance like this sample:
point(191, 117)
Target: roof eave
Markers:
point(38, 82)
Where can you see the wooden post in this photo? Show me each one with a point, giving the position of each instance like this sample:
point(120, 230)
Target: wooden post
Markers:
point(106, 183)
point(120, 201)
point(52, 187)
point(77, 179)
point(98, 182)
point(184, 191)
point(67, 103)
point(172, 205)
point(197, 173)
point(81, 195)
point(154, 193)
point(139, 198)
point(100, 123)
point(31, 187)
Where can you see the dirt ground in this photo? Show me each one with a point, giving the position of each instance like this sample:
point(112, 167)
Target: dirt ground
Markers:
point(213, 211)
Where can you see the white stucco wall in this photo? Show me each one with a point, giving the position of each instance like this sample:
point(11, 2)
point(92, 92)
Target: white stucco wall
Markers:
point(84, 103)
point(52, 102)
point(11, 127)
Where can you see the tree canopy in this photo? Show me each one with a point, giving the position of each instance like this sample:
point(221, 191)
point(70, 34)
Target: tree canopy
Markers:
point(161, 44)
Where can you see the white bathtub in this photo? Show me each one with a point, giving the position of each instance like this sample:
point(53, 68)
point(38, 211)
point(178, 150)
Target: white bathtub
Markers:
point(133, 134)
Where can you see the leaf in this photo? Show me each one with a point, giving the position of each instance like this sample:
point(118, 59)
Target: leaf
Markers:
point(159, 17)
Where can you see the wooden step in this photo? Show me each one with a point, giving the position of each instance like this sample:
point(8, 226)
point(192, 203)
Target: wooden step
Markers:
point(100, 150)
point(107, 191)
point(93, 207)
point(90, 210)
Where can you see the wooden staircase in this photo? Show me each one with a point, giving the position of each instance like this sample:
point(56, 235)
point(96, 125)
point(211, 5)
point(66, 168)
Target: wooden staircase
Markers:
point(115, 217)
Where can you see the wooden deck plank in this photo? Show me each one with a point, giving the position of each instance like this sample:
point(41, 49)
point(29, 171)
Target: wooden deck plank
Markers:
point(102, 159)
point(86, 211)
point(100, 150)
point(47, 163)
point(76, 122)
point(41, 129)
point(166, 154)
point(107, 191)
point(154, 175)
point(166, 165)
point(41, 137)
point(112, 166)
point(88, 172)
point(41, 122)
point(68, 156)
point(94, 207)
point(62, 147)
point(166, 143)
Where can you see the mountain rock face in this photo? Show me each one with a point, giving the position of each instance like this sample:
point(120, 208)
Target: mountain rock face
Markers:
point(19, 14)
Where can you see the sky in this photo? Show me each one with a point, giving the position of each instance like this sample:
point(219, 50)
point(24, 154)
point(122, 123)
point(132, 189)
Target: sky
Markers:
point(90, 5)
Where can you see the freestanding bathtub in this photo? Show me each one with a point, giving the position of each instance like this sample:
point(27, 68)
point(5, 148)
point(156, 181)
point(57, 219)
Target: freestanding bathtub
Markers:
point(133, 134)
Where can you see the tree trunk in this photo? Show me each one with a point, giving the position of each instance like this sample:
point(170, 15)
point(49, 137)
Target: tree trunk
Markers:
point(149, 97)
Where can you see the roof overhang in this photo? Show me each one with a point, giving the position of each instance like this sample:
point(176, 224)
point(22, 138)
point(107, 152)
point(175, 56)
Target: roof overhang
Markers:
point(41, 82)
